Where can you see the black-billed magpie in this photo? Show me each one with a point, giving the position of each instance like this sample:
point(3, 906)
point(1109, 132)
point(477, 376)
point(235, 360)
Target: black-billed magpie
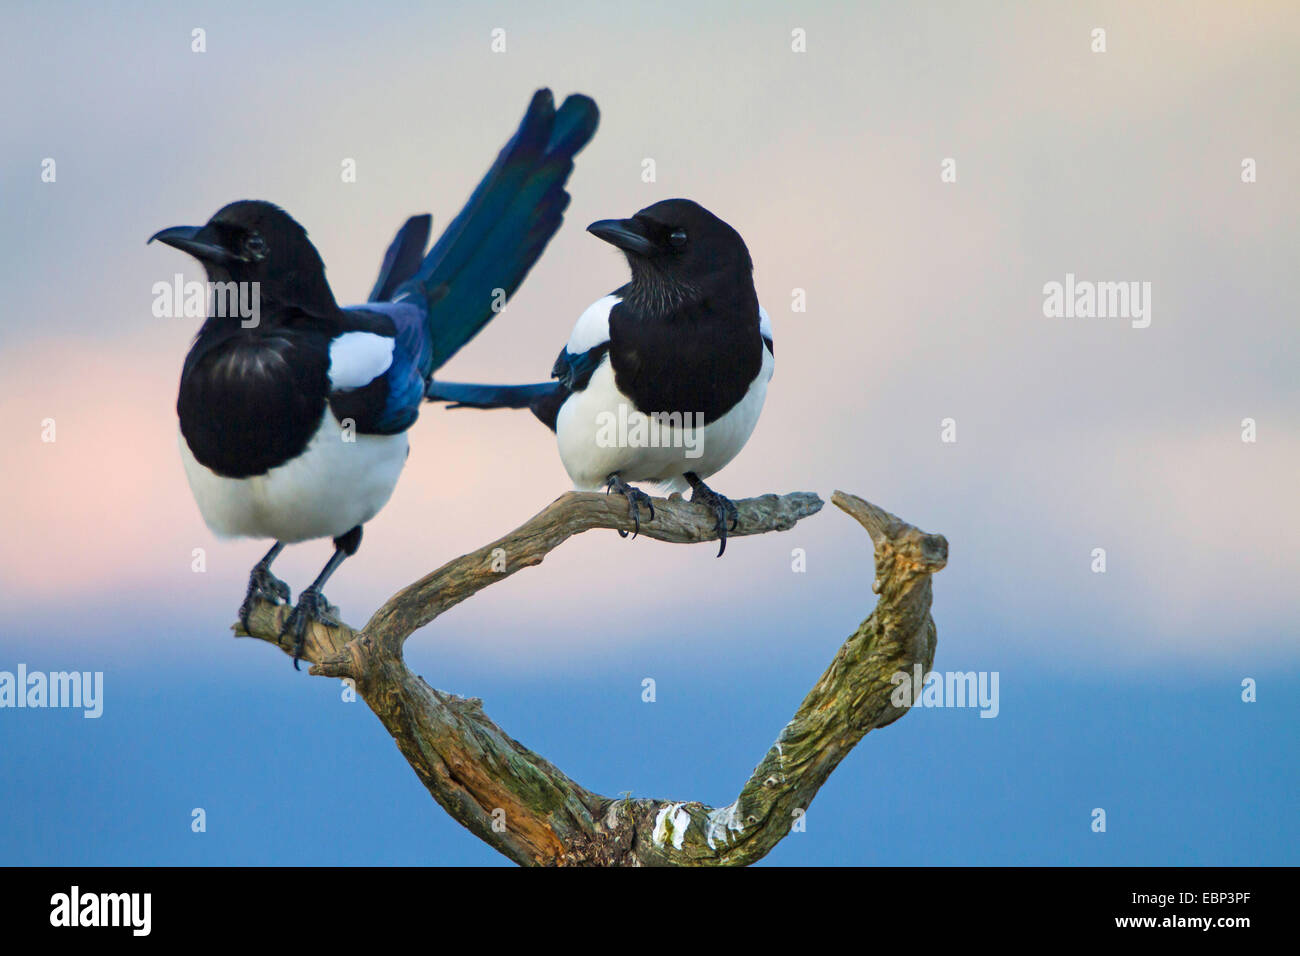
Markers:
point(295, 428)
point(663, 379)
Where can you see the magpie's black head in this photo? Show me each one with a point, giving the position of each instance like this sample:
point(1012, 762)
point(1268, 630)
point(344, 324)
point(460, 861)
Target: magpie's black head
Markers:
point(256, 241)
point(678, 251)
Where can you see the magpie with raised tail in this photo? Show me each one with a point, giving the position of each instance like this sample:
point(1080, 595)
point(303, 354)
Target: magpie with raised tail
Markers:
point(293, 427)
point(662, 380)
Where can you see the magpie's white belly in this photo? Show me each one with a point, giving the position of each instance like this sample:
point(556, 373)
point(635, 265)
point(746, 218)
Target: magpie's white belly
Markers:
point(600, 432)
point(332, 487)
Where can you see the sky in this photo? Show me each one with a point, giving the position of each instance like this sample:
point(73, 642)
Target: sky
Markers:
point(908, 186)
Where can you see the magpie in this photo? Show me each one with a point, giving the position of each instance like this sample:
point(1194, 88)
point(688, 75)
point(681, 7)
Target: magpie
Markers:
point(294, 427)
point(663, 379)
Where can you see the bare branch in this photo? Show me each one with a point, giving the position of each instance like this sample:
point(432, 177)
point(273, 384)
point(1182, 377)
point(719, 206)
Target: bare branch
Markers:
point(525, 807)
point(676, 521)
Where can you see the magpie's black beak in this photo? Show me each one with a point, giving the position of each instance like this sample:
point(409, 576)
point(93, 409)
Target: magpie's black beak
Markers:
point(628, 234)
point(195, 241)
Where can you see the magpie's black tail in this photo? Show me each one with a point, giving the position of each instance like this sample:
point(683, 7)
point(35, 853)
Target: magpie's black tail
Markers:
point(543, 398)
point(403, 257)
point(485, 252)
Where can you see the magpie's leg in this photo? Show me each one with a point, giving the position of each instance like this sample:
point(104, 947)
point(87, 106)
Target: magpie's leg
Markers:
point(723, 509)
point(635, 497)
point(263, 585)
point(312, 605)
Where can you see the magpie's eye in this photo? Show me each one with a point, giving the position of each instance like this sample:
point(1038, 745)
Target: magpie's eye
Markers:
point(678, 238)
point(255, 247)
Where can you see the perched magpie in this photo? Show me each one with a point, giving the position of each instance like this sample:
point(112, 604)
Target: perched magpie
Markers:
point(663, 379)
point(295, 428)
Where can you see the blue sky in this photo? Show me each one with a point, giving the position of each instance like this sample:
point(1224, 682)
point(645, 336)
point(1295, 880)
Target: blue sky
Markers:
point(287, 773)
point(924, 302)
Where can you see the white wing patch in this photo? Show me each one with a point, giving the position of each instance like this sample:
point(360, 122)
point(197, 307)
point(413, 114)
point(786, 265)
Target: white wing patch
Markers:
point(358, 358)
point(592, 328)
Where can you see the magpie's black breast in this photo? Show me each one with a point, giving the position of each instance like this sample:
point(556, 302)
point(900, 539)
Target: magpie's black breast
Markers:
point(700, 360)
point(250, 402)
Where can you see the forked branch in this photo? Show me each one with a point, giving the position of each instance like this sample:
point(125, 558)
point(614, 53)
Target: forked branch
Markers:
point(522, 805)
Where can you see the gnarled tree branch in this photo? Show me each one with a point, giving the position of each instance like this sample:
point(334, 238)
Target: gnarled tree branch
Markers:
point(522, 805)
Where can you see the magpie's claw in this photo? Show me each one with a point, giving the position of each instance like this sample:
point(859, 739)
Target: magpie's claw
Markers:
point(724, 510)
point(721, 511)
point(635, 498)
point(262, 586)
point(311, 606)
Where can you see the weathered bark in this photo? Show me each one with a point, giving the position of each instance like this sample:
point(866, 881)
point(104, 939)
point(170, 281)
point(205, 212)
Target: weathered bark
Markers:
point(522, 805)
